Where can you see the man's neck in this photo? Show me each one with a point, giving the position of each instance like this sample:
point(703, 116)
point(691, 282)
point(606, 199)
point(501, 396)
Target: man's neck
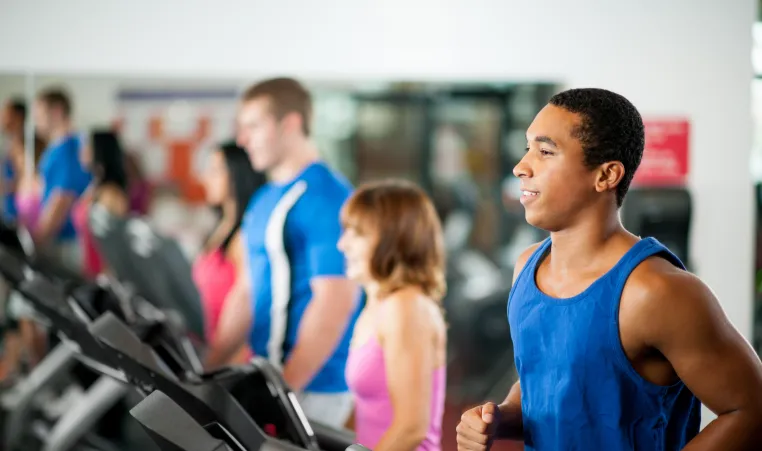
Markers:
point(579, 246)
point(297, 160)
point(59, 133)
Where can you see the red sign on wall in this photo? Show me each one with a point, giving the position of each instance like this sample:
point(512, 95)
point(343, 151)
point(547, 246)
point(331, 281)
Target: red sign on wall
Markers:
point(665, 159)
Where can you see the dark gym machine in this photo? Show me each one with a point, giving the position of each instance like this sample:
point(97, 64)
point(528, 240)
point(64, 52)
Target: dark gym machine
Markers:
point(136, 345)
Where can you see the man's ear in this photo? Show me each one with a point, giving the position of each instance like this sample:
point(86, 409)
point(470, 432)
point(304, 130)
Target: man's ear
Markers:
point(292, 122)
point(610, 174)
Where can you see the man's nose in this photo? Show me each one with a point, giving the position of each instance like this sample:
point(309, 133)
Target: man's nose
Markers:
point(522, 168)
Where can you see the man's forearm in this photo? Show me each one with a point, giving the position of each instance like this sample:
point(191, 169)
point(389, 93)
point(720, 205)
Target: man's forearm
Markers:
point(734, 431)
point(317, 340)
point(511, 425)
point(52, 218)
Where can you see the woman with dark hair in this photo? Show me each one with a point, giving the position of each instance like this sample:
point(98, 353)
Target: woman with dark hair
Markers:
point(103, 157)
point(229, 183)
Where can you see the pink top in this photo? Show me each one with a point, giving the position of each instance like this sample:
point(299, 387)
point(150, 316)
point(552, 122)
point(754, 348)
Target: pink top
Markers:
point(214, 276)
point(28, 207)
point(92, 260)
point(366, 377)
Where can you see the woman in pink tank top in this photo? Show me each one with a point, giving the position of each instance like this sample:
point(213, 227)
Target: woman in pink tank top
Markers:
point(229, 183)
point(396, 368)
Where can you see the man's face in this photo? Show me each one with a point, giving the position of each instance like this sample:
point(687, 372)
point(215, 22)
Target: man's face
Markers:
point(555, 183)
point(259, 132)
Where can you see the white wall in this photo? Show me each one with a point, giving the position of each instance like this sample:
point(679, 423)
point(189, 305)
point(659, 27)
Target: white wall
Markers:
point(685, 57)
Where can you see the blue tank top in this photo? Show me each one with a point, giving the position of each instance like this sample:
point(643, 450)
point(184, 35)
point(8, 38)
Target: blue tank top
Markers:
point(578, 388)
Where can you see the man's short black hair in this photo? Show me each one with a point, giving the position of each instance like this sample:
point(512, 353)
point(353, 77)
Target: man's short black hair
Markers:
point(611, 130)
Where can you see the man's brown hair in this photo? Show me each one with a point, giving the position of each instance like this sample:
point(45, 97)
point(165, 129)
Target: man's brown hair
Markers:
point(410, 247)
point(56, 97)
point(286, 95)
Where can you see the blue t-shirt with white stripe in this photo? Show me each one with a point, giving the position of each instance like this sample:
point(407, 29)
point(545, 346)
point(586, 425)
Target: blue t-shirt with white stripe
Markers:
point(291, 232)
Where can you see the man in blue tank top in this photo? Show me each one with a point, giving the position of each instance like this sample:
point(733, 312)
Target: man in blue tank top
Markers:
point(292, 298)
point(616, 345)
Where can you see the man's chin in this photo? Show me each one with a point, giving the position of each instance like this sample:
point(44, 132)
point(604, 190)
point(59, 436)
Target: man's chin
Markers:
point(535, 220)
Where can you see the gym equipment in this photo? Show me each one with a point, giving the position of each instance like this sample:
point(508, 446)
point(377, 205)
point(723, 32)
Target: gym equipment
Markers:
point(151, 265)
point(132, 344)
point(23, 419)
point(69, 312)
point(173, 429)
point(664, 213)
point(240, 399)
point(170, 427)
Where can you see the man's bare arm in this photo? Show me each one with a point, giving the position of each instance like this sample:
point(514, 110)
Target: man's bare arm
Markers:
point(325, 320)
point(710, 356)
point(53, 217)
point(511, 425)
point(511, 420)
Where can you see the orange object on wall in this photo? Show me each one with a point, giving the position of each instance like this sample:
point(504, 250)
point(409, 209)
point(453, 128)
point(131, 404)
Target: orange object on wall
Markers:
point(180, 151)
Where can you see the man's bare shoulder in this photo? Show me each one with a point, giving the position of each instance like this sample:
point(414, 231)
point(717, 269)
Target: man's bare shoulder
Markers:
point(523, 258)
point(658, 294)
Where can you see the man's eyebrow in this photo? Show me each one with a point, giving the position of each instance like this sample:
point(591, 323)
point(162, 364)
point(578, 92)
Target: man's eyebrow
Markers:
point(546, 140)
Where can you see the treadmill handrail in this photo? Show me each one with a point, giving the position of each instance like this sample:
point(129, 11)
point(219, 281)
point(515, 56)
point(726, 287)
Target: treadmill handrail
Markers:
point(51, 301)
point(206, 403)
point(160, 415)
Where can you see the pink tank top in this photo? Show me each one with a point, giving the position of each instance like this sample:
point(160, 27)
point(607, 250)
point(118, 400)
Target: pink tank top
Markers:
point(28, 208)
point(366, 377)
point(92, 261)
point(214, 276)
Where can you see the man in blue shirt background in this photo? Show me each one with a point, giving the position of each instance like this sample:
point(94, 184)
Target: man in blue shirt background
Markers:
point(62, 175)
point(292, 298)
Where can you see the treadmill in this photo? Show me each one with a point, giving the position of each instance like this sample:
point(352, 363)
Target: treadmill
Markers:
point(238, 399)
point(55, 370)
point(173, 429)
point(150, 264)
point(243, 400)
point(69, 307)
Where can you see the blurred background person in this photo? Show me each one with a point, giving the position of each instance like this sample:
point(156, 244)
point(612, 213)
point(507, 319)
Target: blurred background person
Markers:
point(296, 305)
point(22, 206)
point(229, 183)
point(396, 369)
point(104, 158)
point(12, 118)
point(63, 177)
point(139, 187)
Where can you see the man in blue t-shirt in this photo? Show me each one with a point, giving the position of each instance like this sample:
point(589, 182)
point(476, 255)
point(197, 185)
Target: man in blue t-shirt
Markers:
point(292, 298)
point(62, 176)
